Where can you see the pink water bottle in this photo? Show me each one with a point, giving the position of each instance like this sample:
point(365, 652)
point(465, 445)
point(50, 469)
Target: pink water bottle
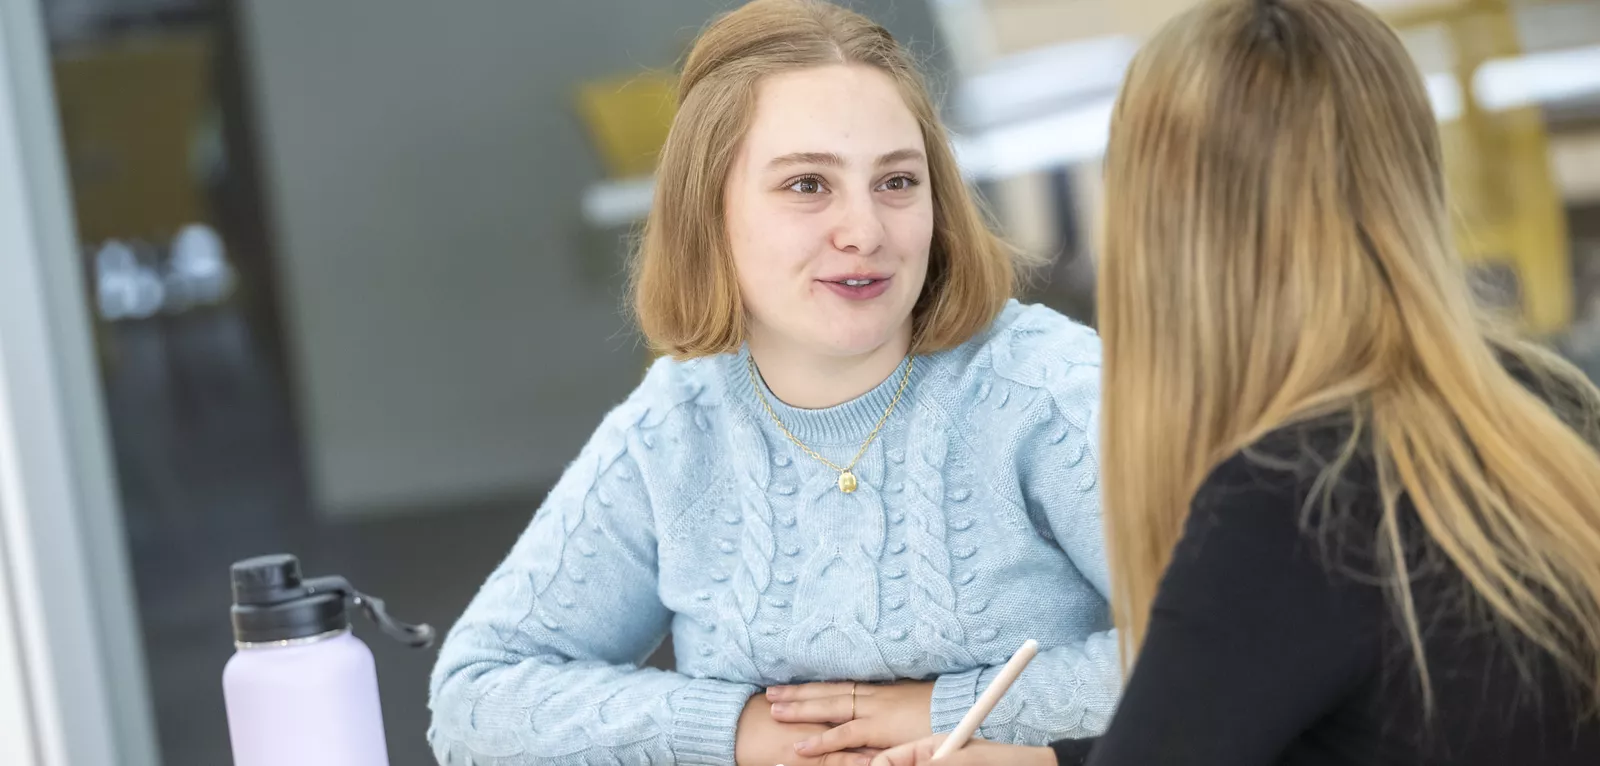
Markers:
point(302, 690)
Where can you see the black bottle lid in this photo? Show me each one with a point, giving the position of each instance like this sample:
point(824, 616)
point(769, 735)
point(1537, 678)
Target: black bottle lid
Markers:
point(272, 603)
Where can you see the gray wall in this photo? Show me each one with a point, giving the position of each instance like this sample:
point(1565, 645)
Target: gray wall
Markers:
point(456, 332)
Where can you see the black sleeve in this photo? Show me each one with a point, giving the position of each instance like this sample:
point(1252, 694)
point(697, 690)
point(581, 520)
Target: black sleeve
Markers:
point(1072, 752)
point(1251, 638)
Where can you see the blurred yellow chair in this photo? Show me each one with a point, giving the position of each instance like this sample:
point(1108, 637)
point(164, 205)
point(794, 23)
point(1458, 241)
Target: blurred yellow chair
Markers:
point(628, 119)
point(1509, 212)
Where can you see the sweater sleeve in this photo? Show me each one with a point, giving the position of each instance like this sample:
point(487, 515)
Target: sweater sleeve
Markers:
point(543, 667)
point(1068, 691)
point(1252, 639)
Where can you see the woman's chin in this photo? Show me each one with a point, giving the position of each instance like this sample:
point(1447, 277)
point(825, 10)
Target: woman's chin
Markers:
point(857, 344)
point(862, 334)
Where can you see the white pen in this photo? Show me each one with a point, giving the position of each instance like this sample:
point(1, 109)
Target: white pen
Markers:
point(991, 697)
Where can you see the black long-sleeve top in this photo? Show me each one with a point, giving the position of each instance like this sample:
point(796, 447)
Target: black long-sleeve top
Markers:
point(1270, 642)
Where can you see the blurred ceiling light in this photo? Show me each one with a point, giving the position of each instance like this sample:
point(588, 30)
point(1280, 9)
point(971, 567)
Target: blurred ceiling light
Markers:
point(1064, 138)
point(1021, 85)
point(618, 203)
point(1392, 6)
point(1538, 78)
point(1080, 134)
point(1444, 91)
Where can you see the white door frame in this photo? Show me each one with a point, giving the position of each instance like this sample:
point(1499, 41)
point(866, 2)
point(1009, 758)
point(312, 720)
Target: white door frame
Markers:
point(73, 690)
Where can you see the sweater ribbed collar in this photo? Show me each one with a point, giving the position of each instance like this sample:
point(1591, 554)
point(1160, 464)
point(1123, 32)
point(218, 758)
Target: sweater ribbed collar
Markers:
point(846, 424)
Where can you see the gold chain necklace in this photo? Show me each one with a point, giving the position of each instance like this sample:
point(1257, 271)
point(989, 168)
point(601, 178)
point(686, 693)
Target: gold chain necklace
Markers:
point(847, 477)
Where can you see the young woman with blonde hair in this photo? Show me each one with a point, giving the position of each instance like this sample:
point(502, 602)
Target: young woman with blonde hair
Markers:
point(860, 478)
point(1348, 521)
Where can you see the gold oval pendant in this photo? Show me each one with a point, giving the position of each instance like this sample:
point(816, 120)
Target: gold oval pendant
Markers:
point(847, 482)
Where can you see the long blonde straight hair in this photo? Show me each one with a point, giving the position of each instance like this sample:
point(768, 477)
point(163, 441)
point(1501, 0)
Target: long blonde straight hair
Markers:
point(1277, 248)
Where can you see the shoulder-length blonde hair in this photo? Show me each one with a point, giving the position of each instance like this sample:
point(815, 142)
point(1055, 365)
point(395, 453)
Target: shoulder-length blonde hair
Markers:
point(685, 293)
point(1277, 247)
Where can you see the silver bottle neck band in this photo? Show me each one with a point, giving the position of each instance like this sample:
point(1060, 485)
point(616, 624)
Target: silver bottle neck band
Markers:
point(291, 641)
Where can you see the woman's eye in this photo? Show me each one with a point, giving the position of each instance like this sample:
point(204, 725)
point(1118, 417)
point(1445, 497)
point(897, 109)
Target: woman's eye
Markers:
point(899, 183)
point(807, 185)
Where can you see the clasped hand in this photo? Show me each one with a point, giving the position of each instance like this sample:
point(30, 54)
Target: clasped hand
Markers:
point(832, 724)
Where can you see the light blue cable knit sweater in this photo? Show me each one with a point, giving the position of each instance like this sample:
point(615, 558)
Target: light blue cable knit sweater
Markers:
point(976, 526)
